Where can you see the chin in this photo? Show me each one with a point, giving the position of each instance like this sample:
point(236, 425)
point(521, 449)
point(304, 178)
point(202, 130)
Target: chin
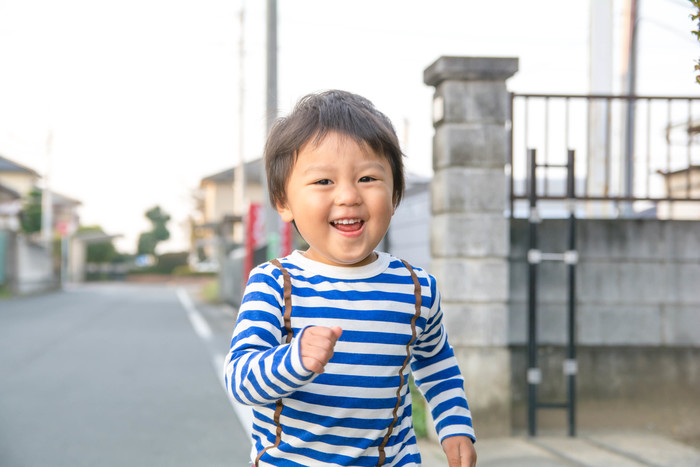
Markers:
point(358, 261)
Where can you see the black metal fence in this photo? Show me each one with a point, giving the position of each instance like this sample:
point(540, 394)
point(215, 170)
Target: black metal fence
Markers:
point(634, 156)
point(595, 156)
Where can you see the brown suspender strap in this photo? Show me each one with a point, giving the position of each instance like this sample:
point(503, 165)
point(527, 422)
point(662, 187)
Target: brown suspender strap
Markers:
point(278, 437)
point(290, 332)
point(418, 304)
point(287, 299)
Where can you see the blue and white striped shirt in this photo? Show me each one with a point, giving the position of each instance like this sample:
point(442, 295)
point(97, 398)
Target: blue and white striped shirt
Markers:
point(358, 412)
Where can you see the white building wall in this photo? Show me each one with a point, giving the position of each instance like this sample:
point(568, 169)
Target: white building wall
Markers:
point(409, 233)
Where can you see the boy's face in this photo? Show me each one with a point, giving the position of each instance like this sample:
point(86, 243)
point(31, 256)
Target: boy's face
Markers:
point(340, 196)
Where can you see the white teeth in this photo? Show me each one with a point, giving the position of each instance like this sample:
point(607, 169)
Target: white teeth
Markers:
point(347, 221)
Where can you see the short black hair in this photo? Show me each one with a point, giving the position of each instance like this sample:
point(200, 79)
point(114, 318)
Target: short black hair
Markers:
point(313, 117)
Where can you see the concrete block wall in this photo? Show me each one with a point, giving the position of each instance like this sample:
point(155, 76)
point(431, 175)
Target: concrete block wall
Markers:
point(35, 271)
point(638, 315)
point(637, 283)
point(469, 235)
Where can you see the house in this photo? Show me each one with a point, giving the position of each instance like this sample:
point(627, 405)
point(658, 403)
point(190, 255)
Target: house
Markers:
point(27, 264)
point(16, 181)
point(681, 184)
point(218, 233)
point(408, 237)
point(217, 219)
point(17, 177)
point(10, 206)
point(65, 213)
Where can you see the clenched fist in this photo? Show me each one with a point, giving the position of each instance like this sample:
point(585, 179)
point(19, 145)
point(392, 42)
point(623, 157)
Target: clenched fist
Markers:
point(317, 343)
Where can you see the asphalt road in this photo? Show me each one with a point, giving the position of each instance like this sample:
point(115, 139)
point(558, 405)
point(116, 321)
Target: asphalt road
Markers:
point(115, 375)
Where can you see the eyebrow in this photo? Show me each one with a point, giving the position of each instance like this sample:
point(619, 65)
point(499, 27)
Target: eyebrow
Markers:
point(318, 168)
point(323, 167)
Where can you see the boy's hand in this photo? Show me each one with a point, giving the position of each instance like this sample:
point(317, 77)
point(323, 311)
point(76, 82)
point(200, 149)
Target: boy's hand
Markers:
point(460, 451)
point(317, 345)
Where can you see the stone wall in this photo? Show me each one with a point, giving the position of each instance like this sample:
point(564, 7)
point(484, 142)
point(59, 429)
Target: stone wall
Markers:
point(35, 270)
point(469, 234)
point(638, 316)
point(638, 283)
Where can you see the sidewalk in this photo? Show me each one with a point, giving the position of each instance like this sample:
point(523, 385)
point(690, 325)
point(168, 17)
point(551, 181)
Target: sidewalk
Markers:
point(604, 449)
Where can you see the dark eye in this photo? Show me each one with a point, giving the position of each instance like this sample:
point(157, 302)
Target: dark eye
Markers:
point(366, 179)
point(323, 181)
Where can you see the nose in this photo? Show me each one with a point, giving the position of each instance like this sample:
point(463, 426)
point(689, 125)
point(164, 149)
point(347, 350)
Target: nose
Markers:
point(347, 194)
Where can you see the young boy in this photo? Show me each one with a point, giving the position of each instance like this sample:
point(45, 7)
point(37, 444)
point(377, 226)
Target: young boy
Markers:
point(325, 338)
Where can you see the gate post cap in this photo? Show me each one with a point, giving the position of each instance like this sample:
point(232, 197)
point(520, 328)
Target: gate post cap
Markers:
point(470, 69)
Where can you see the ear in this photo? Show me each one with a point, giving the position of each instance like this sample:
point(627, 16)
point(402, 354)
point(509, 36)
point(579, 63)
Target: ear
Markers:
point(284, 212)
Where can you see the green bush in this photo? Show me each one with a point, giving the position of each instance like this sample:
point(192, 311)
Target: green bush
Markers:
point(183, 270)
point(30, 218)
point(420, 422)
point(167, 262)
point(210, 291)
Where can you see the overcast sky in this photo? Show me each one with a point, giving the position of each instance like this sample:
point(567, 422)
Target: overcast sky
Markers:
point(141, 96)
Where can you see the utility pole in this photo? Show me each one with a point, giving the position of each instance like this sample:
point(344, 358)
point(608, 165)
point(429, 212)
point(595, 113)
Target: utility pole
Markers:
point(271, 62)
point(46, 198)
point(272, 224)
point(239, 180)
point(600, 82)
point(630, 87)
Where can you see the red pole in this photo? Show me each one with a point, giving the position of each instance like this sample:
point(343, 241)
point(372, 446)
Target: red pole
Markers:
point(286, 245)
point(252, 238)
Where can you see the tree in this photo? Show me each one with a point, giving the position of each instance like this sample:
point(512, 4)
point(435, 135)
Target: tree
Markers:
point(149, 240)
point(147, 244)
point(696, 17)
point(31, 212)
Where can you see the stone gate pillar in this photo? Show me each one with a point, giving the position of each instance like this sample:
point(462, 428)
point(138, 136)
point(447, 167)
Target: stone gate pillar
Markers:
point(469, 231)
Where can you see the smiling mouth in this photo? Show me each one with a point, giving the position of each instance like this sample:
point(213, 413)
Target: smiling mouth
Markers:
point(348, 225)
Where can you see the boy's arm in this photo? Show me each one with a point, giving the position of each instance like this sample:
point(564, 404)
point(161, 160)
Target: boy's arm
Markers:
point(260, 368)
point(460, 451)
point(438, 377)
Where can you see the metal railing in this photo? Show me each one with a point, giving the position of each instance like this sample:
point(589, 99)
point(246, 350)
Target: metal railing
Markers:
point(633, 153)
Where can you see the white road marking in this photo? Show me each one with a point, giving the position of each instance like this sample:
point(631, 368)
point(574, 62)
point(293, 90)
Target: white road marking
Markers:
point(201, 327)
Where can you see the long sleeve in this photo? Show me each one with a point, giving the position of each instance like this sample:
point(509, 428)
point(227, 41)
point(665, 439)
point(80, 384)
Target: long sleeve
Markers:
point(438, 377)
point(259, 368)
